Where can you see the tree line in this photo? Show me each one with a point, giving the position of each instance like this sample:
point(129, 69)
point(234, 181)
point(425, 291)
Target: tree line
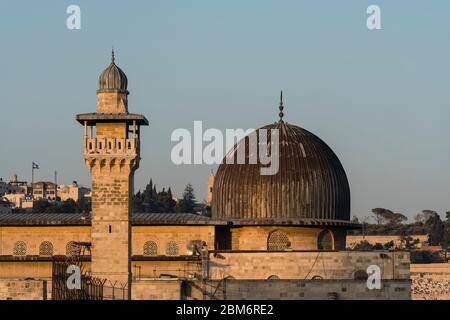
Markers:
point(426, 222)
point(150, 200)
point(153, 201)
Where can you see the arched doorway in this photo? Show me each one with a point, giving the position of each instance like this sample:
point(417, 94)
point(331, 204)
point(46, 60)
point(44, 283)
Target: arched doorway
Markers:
point(325, 240)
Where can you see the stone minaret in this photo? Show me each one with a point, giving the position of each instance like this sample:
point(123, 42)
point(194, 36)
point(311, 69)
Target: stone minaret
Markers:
point(111, 144)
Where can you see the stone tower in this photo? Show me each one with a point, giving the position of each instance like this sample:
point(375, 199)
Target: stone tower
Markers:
point(111, 145)
point(209, 191)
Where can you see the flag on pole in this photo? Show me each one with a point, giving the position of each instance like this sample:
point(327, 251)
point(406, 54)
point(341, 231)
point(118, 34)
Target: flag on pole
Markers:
point(35, 166)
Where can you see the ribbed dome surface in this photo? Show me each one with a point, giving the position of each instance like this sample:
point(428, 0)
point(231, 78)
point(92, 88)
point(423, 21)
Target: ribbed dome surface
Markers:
point(310, 183)
point(113, 79)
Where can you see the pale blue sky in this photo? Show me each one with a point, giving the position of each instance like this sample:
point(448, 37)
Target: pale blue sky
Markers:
point(380, 99)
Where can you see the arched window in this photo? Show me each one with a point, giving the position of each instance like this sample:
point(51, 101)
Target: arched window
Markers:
point(360, 275)
point(325, 240)
point(150, 248)
point(20, 248)
point(273, 277)
point(46, 249)
point(278, 241)
point(72, 249)
point(172, 248)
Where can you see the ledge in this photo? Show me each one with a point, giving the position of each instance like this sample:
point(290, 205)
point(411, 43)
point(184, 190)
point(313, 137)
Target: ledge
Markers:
point(92, 118)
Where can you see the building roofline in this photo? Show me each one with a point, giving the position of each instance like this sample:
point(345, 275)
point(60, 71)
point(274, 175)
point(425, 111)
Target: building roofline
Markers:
point(155, 219)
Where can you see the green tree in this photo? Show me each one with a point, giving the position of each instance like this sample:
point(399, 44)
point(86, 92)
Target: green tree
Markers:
point(395, 218)
point(379, 215)
point(68, 206)
point(83, 205)
point(41, 206)
point(187, 203)
point(137, 203)
point(435, 229)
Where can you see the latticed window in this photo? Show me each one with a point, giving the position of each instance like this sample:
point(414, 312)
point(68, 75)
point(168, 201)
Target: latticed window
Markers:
point(150, 248)
point(20, 248)
point(46, 249)
point(278, 241)
point(325, 240)
point(72, 249)
point(172, 248)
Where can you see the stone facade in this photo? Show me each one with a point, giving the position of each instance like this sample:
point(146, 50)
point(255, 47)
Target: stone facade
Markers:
point(306, 265)
point(60, 236)
point(17, 289)
point(33, 237)
point(232, 289)
point(300, 238)
point(156, 289)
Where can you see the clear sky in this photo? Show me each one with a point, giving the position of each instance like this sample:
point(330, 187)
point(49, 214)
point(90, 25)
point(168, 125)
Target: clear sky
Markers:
point(380, 99)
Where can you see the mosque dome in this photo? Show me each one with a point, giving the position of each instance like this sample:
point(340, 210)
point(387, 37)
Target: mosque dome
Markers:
point(310, 184)
point(113, 78)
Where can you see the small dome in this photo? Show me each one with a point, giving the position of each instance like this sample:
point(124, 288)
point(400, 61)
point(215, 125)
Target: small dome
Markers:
point(113, 78)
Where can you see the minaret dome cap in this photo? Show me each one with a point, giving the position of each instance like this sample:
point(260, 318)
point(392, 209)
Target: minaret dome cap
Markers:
point(113, 79)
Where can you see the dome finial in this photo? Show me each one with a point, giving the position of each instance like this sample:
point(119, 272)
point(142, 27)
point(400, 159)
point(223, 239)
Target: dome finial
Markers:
point(113, 58)
point(281, 107)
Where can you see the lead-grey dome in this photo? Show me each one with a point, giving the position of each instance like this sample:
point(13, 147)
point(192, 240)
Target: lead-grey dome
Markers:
point(113, 78)
point(310, 184)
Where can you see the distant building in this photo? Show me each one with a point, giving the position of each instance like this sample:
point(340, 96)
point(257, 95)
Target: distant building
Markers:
point(23, 185)
point(44, 190)
point(6, 188)
point(19, 200)
point(72, 191)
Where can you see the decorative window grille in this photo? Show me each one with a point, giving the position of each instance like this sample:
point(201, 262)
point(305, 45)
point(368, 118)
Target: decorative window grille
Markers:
point(172, 249)
point(72, 249)
point(278, 241)
point(46, 249)
point(150, 248)
point(20, 248)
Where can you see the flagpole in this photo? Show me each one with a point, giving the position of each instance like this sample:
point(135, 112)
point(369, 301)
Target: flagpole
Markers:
point(32, 179)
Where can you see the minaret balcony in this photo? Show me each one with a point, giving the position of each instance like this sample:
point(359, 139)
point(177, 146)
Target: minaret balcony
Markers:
point(111, 146)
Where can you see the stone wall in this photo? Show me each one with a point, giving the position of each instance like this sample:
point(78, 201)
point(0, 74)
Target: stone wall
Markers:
point(110, 231)
point(161, 235)
point(25, 269)
point(301, 238)
point(19, 289)
point(60, 236)
point(298, 290)
point(305, 265)
point(156, 290)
